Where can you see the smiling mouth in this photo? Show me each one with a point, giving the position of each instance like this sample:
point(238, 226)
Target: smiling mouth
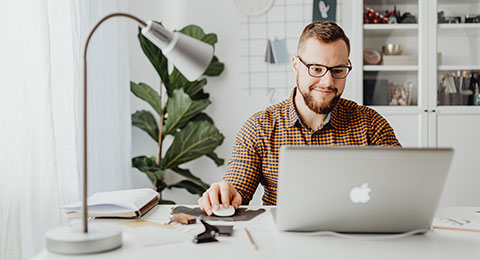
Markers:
point(323, 91)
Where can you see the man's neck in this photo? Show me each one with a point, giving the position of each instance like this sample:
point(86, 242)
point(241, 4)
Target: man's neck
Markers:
point(308, 117)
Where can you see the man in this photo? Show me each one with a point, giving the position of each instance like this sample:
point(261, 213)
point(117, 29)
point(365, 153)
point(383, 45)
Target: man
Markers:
point(314, 114)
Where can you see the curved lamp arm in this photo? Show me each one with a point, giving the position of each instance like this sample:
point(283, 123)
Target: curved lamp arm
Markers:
point(190, 56)
point(85, 158)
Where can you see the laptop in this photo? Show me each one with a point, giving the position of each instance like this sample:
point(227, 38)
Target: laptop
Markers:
point(359, 189)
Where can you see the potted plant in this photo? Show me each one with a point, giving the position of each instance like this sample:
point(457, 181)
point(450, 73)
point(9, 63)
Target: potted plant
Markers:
point(181, 116)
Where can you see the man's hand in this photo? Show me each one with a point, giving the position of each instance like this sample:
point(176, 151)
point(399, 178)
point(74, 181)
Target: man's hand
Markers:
point(219, 192)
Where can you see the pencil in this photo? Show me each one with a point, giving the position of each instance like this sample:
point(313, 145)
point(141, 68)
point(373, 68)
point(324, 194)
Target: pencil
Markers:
point(251, 239)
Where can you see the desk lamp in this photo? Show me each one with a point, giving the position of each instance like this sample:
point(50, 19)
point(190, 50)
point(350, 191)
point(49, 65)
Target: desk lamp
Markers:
point(191, 57)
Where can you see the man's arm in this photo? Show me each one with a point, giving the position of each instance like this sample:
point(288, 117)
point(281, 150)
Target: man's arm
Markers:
point(244, 169)
point(243, 173)
point(381, 131)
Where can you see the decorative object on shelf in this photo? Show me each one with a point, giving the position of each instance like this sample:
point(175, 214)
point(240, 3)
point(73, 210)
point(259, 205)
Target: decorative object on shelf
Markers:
point(254, 7)
point(459, 88)
point(371, 57)
point(399, 95)
point(448, 19)
point(399, 60)
point(372, 16)
point(407, 18)
point(375, 92)
point(472, 18)
point(392, 49)
point(468, 18)
point(194, 134)
point(324, 10)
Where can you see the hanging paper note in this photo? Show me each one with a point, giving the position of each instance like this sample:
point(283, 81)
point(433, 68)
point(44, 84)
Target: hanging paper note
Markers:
point(280, 52)
point(324, 10)
point(269, 53)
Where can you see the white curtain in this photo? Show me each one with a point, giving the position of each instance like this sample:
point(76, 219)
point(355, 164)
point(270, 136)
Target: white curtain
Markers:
point(41, 53)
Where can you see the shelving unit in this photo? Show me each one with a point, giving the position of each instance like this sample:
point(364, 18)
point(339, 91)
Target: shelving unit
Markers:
point(390, 67)
point(442, 50)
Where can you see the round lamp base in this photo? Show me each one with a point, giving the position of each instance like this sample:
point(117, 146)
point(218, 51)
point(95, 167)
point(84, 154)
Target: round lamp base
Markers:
point(72, 240)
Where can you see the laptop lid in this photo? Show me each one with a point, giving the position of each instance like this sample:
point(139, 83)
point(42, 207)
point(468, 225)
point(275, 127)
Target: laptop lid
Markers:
point(359, 189)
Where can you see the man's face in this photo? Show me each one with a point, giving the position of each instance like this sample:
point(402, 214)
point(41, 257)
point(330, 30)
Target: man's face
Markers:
point(320, 94)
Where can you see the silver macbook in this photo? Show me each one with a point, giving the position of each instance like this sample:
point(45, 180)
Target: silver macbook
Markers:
point(359, 189)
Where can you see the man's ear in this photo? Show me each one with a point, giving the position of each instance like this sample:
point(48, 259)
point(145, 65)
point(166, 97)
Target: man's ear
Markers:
point(295, 65)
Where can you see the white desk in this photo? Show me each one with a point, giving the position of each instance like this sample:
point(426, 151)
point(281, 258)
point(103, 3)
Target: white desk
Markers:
point(438, 244)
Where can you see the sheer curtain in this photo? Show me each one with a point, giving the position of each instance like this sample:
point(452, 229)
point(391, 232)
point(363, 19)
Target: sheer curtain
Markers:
point(40, 106)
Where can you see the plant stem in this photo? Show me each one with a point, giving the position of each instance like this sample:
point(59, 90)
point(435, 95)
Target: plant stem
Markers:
point(160, 130)
point(160, 137)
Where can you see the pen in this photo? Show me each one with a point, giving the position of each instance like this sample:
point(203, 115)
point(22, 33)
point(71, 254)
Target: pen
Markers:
point(251, 239)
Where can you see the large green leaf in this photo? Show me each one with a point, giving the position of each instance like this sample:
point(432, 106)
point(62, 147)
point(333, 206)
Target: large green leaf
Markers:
point(177, 80)
point(180, 109)
point(187, 174)
point(203, 117)
point(200, 95)
point(196, 139)
point(145, 121)
point(148, 94)
point(190, 186)
point(215, 68)
point(218, 161)
point(148, 166)
point(193, 31)
point(156, 57)
point(210, 38)
point(192, 88)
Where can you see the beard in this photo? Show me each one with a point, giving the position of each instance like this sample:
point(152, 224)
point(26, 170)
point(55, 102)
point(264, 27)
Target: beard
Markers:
point(317, 107)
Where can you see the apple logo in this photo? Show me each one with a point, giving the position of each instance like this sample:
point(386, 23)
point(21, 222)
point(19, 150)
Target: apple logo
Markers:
point(360, 194)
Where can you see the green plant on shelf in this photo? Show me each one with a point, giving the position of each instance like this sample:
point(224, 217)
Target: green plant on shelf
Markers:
point(181, 116)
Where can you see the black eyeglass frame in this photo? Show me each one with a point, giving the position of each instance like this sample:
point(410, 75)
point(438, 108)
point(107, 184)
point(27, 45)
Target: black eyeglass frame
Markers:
point(328, 68)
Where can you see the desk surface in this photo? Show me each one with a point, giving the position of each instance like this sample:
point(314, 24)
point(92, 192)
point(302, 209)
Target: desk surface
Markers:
point(437, 244)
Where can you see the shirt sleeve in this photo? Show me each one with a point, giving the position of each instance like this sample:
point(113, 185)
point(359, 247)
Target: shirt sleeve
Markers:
point(381, 131)
point(244, 169)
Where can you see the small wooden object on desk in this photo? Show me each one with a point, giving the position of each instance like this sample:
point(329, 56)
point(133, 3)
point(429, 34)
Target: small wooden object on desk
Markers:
point(183, 218)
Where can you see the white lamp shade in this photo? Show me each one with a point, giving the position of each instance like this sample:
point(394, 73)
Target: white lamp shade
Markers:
point(191, 56)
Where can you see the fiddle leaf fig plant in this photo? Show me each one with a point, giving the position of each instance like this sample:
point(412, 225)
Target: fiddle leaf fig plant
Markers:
point(194, 133)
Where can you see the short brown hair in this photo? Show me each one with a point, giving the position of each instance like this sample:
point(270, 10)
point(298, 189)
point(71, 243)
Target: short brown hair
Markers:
point(324, 32)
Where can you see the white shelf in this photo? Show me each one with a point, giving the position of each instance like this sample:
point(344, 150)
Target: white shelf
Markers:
point(406, 26)
point(459, 67)
point(458, 1)
point(390, 2)
point(397, 110)
point(456, 26)
point(461, 110)
point(390, 67)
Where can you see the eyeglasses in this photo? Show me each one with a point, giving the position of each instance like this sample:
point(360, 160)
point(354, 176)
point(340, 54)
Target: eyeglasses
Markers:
point(318, 70)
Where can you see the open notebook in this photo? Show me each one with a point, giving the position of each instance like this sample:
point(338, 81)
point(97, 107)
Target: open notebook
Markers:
point(121, 204)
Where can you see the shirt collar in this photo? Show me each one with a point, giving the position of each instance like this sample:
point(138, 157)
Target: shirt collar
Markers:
point(293, 113)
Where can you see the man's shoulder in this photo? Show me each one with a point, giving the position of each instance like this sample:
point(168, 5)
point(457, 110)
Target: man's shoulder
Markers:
point(271, 113)
point(351, 107)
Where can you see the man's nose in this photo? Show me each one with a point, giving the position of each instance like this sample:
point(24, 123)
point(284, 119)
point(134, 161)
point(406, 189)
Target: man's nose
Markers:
point(327, 79)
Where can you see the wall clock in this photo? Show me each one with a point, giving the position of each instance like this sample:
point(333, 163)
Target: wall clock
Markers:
point(254, 7)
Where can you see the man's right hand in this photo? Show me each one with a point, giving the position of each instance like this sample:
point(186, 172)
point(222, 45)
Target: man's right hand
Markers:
point(219, 193)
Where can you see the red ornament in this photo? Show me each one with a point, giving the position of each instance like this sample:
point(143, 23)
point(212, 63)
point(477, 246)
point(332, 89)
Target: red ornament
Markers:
point(371, 15)
point(376, 20)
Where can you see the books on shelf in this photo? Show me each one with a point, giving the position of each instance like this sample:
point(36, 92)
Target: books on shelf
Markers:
point(120, 204)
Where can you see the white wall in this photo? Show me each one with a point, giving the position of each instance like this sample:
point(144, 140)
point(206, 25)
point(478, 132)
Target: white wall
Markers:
point(231, 105)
